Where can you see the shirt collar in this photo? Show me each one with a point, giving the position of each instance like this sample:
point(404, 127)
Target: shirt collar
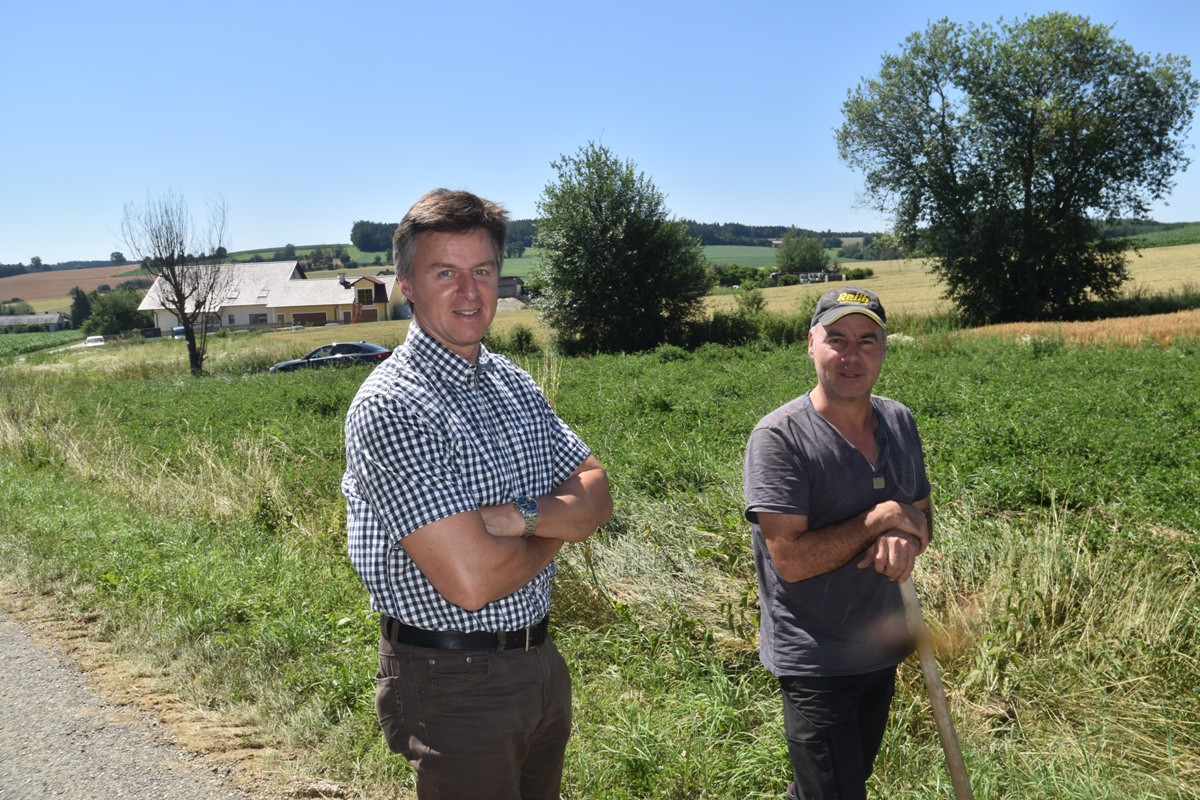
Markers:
point(427, 352)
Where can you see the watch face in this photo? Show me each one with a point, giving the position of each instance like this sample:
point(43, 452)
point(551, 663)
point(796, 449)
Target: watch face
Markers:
point(526, 505)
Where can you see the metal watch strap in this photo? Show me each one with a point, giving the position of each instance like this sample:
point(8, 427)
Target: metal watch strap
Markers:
point(528, 507)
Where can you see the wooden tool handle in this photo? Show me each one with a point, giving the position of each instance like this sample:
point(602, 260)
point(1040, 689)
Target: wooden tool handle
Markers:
point(937, 695)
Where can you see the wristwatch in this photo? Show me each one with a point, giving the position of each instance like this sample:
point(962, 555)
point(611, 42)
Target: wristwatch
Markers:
point(528, 506)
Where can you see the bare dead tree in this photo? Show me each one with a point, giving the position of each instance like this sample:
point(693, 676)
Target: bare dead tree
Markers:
point(164, 237)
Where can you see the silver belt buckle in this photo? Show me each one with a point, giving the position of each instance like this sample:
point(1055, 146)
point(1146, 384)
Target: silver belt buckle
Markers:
point(527, 638)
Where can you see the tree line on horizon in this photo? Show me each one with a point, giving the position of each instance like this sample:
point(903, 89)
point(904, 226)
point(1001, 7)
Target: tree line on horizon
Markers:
point(375, 237)
point(36, 265)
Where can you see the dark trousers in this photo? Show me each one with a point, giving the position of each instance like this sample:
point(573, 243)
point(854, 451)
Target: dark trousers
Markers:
point(477, 725)
point(834, 728)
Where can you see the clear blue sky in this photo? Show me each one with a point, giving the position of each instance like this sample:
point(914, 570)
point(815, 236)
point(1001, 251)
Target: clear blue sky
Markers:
point(307, 116)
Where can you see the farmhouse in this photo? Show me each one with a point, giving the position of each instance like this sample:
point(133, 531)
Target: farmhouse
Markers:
point(55, 321)
point(278, 293)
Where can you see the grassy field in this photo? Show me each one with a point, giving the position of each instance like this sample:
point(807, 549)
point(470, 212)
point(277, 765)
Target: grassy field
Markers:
point(747, 256)
point(1186, 234)
point(15, 344)
point(268, 254)
point(198, 527)
point(716, 254)
point(909, 287)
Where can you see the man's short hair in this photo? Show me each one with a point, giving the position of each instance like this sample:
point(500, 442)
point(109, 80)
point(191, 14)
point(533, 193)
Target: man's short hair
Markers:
point(447, 211)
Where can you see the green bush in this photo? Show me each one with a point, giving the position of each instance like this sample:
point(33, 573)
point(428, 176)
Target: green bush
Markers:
point(723, 328)
point(858, 273)
point(779, 329)
point(519, 341)
point(671, 352)
point(750, 300)
point(730, 275)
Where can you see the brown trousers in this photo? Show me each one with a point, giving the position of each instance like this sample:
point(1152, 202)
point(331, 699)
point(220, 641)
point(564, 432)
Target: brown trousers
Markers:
point(476, 724)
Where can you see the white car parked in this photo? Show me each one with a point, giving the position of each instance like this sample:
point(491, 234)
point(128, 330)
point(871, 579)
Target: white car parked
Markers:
point(93, 341)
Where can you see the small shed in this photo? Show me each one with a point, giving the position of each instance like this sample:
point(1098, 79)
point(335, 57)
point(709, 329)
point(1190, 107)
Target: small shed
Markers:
point(511, 286)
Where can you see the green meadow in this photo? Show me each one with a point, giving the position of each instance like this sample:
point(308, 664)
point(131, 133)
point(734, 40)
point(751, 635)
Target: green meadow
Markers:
point(197, 525)
point(1184, 234)
point(15, 344)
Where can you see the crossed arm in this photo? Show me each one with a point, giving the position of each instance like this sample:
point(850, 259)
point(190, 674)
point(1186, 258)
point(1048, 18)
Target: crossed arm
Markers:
point(892, 534)
point(476, 557)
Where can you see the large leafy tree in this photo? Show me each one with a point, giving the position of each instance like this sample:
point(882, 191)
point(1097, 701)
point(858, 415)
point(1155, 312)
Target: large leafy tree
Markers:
point(81, 307)
point(1002, 151)
point(617, 274)
point(116, 312)
point(372, 237)
point(801, 252)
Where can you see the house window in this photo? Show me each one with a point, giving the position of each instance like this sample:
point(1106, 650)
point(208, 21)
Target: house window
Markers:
point(366, 296)
point(231, 319)
point(259, 319)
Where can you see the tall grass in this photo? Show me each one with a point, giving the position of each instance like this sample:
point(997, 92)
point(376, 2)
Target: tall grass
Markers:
point(199, 523)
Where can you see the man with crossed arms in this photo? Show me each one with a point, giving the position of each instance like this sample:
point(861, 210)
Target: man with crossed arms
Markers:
point(461, 487)
point(839, 506)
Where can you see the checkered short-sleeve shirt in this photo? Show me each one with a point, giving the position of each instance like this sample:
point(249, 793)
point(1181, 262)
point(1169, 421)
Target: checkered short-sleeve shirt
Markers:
point(430, 435)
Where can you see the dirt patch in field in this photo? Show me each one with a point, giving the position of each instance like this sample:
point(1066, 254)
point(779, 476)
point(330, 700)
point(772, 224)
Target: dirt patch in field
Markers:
point(59, 283)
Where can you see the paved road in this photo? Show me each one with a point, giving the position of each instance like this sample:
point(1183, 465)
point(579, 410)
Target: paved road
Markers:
point(59, 740)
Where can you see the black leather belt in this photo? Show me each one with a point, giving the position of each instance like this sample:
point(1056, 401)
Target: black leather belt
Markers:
point(396, 631)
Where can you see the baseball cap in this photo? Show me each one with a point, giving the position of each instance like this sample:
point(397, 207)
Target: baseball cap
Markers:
point(837, 303)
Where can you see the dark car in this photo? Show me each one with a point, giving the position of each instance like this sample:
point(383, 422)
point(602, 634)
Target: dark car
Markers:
point(338, 354)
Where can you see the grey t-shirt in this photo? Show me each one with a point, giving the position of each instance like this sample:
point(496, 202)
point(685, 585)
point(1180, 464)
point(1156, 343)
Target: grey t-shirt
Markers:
point(849, 621)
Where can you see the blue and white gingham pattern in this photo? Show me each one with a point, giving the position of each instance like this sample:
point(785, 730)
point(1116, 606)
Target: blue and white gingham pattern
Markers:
point(430, 435)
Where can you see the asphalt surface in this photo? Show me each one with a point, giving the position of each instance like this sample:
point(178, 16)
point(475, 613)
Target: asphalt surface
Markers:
point(58, 739)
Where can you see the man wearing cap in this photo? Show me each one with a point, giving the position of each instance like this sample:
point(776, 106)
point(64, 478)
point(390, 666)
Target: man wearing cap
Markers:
point(461, 486)
point(838, 500)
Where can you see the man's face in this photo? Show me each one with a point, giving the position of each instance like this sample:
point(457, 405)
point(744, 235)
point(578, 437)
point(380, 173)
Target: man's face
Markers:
point(454, 287)
point(848, 355)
